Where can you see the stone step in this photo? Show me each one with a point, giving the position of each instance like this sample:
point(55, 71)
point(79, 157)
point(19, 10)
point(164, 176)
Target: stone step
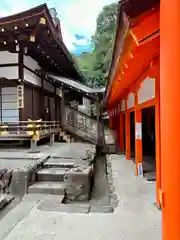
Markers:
point(5, 199)
point(55, 188)
point(55, 164)
point(50, 174)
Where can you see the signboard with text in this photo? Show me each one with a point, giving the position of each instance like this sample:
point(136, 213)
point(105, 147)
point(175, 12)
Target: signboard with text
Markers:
point(20, 96)
point(139, 130)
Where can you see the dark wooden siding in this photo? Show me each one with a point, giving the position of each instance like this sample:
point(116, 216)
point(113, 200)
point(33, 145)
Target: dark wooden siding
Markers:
point(38, 104)
point(28, 106)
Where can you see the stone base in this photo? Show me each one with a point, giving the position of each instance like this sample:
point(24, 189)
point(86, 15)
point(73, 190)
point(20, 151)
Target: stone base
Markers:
point(78, 184)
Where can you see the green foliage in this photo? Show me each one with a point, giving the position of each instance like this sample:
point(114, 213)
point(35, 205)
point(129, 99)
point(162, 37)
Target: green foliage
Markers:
point(95, 64)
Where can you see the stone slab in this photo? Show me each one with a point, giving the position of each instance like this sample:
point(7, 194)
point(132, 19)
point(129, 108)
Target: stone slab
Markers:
point(22, 155)
point(5, 199)
point(101, 209)
point(51, 205)
point(9, 222)
point(55, 164)
point(51, 174)
point(2, 201)
point(47, 188)
point(35, 197)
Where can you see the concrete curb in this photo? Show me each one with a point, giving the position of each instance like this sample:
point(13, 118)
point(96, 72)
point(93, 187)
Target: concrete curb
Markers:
point(113, 197)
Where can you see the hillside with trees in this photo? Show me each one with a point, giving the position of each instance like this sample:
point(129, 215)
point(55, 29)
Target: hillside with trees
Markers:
point(95, 64)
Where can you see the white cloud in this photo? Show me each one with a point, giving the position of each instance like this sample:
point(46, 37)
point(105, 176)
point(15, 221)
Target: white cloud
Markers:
point(13, 7)
point(83, 41)
point(80, 16)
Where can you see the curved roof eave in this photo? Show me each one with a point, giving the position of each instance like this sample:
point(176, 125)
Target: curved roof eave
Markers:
point(42, 10)
point(130, 9)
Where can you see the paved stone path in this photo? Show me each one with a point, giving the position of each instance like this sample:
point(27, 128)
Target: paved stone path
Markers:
point(19, 158)
point(135, 218)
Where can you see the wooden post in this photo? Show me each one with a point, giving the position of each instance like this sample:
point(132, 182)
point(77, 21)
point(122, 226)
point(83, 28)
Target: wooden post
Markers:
point(121, 131)
point(21, 79)
point(170, 117)
point(98, 130)
point(63, 113)
point(158, 140)
point(102, 130)
point(128, 135)
point(138, 138)
point(55, 104)
point(42, 102)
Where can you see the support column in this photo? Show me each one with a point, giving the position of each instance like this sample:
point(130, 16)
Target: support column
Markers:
point(55, 103)
point(121, 131)
point(138, 138)
point(42, 101)
point(21, 83)
point(98, 122)
point(158, 143)
point(128, 134)
point(63, 113)
point(170, 117)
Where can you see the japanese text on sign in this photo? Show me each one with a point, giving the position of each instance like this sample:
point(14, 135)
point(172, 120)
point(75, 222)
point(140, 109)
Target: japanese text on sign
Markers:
point(20, 96)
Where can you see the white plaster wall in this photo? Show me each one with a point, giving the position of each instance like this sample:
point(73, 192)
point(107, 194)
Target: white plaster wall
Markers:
point(32, 77)
point(31, 63)
point(48, 86)
point(9, 72)
point(10, 111)
point(7, 57)
point(28, 75)
point(147, 90)
point(123, 105)
point(130, 100)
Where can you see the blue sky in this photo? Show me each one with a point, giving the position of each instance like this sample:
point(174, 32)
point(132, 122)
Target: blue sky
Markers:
point(78, 18)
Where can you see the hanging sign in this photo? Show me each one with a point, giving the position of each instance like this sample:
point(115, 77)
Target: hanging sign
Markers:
point(20, 96)
point(140, 170)
point(138, 130)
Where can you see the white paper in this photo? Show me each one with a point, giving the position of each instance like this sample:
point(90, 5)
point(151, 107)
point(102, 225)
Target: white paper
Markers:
point(138, 130)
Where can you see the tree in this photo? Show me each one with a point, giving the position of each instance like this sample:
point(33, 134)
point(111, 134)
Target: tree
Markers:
point(95, 64)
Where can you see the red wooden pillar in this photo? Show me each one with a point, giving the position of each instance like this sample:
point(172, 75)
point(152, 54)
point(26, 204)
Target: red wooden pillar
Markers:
point(138, 138)
point(128, 134)
point(170, 117)
point(121, 131)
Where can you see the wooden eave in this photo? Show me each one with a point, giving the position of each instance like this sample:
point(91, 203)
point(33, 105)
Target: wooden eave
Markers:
point(70, 84)
point(47, 47)
point(142, 33)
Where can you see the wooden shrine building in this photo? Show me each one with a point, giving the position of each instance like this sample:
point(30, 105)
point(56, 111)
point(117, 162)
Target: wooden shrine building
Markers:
point(142, 98)
point(38, 76)
point(29, 42)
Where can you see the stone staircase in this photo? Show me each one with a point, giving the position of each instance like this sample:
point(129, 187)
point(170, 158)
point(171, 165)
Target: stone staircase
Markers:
point(64, 179)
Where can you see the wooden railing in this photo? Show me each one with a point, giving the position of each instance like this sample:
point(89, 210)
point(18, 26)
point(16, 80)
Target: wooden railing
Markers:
point(86, 127)
point(80, 124)
point(27, 129)
point(73, 121)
